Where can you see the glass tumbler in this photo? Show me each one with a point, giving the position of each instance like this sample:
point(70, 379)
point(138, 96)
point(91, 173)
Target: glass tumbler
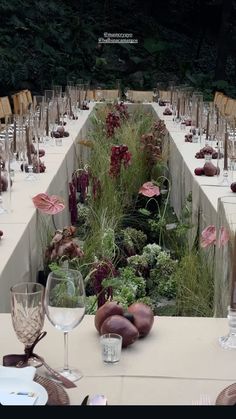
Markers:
point(27, 313)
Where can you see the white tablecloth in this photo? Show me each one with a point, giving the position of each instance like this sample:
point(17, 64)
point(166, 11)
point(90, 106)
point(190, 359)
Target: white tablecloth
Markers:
point(179, 360)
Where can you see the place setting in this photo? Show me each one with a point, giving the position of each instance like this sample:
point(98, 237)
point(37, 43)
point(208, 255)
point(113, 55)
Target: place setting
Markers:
point(29, 303)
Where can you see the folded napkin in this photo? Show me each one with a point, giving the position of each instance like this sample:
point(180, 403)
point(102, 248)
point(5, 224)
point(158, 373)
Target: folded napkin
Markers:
point(26, 373)
point(18, 398)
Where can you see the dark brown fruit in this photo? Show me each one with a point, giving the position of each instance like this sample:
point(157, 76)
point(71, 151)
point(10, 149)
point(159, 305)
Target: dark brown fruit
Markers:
point(41, 152)
point(108, 309)
point(66, 134)
point(143, 317)
point(233, 186)
point(4, 183)
point(121, 326)
point(129, 316)
point(209, 169)
point(199, 171)
point(56, 134)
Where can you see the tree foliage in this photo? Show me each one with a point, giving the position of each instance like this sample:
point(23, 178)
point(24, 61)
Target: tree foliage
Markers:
point(54, 41)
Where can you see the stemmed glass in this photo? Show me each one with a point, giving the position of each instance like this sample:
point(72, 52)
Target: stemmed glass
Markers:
point(155, 94)
point(27, 314)
point(127, 93)
point(99, 93)
point(65, 308)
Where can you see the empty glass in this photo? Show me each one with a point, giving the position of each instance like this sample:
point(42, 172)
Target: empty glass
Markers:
point(65, 308)
point(27, 313)
point(57, 90)
point(48, 95)
point(229, 341)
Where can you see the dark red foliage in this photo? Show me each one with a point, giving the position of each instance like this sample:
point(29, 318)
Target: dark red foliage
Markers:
point(119, 154)
point(112, 122)
point(79, 185)
point(151, 146)
point(72, 202)
point(96, 187)
point(82, 184)
point(159, 128)
point(122, 109)
point(104, 269)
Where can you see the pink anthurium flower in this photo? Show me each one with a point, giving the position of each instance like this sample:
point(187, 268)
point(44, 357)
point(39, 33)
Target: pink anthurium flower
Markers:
point(149, 189)
point(223, 237)
point(208, 236)
point(48, 204)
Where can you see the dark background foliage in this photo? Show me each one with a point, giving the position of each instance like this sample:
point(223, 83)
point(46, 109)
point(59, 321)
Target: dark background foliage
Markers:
point(55, 41)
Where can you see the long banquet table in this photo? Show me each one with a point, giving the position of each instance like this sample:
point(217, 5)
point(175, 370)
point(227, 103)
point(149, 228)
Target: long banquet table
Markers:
point(24, 229)
point(21, 255)
point(177, 362)
point(212, 203)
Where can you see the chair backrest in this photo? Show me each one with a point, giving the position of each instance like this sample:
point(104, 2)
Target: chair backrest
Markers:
point(216, 97)
point(29, 96)
point(6, 106)
point(229, 107)
point(140, 95)
point(90, 94)
point(2, 115)
point(21, 101)
point(105, 94)
point(165, 95)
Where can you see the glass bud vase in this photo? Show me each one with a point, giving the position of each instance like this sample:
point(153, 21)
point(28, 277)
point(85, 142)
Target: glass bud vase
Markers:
point(229, 341)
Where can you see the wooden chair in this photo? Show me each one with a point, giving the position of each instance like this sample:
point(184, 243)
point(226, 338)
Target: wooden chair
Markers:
point(216, 97)
point(165, 95)
point(5, 106)
point(2, 115)
point(140, 96)
point(21, 102)
point(233, 111)
point(105, 94)
point(229, 107)
point(29, 96)
point(91, 95)
point(16, 104)
point(222, 104)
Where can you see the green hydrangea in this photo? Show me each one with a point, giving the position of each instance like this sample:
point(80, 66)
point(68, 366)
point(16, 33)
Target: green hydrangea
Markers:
point(134, 239)
point(127, 287)
point(83, 213)
point(150, 252)
point(138, 261)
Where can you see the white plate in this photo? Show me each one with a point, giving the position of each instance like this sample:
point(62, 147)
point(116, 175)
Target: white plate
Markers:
point(21, 385)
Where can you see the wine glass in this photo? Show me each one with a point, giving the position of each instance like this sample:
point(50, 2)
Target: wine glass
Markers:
point(127, 93)
point(27, 314)
point(99, 93)
point(65, 308)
